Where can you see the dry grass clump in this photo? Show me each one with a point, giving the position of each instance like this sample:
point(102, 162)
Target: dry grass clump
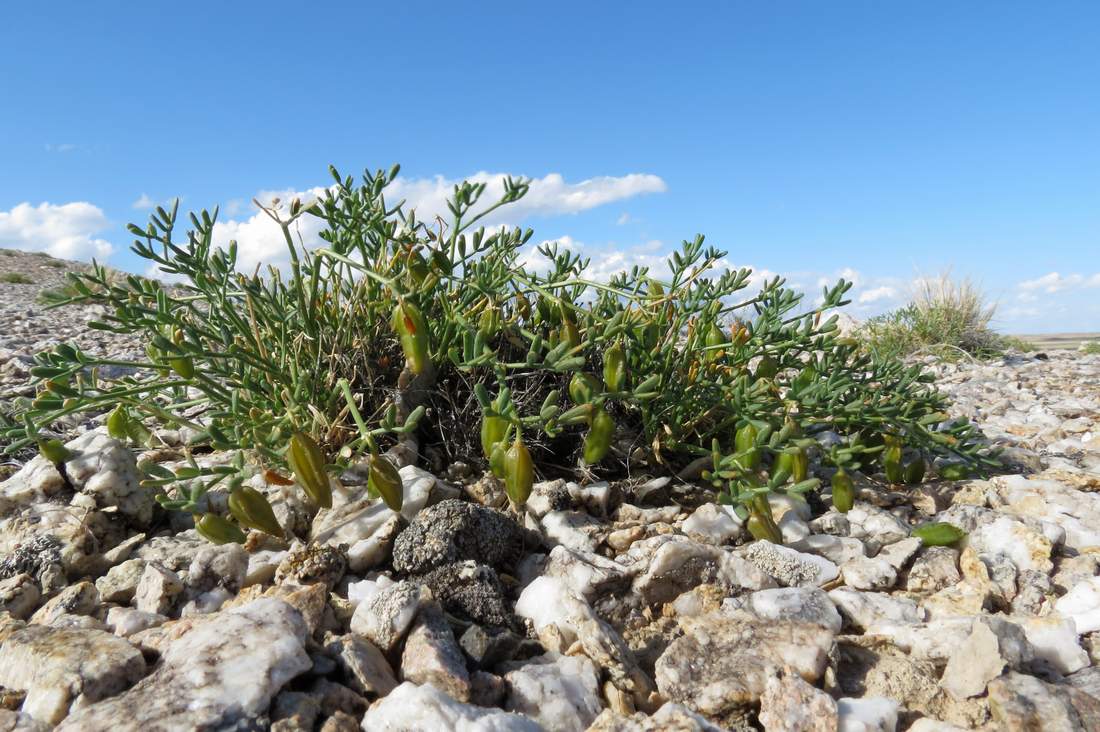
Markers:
point(946, 316)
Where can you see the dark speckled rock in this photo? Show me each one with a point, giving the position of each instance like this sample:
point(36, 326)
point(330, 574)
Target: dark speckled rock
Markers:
point(469, 590)
point(453, 531)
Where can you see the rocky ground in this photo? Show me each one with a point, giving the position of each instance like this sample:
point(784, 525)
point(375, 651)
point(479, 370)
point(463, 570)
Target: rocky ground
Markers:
point(627, 606)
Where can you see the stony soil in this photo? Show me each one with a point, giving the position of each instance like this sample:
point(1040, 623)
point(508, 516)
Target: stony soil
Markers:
point(625, 606)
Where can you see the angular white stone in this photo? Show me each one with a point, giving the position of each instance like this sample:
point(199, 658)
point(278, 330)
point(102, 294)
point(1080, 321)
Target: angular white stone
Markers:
point(869, 714)
point(560, 692)
point(412, 707)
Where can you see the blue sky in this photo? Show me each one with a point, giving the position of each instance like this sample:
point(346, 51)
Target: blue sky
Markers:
point(887, 141)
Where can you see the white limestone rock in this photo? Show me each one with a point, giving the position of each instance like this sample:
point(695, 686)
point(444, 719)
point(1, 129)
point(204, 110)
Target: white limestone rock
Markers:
point(789, 567)
point(63, 669)
point(412, 707)
point(796, 604)
point(867, 573)
point(387, 616)
point(864, 610)
point(713, 524)
point(222, 672)
point(1082, 605)
point(559, 692)
point(869, 714)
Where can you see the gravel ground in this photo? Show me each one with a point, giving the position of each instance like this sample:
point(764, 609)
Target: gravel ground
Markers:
point(626, 606)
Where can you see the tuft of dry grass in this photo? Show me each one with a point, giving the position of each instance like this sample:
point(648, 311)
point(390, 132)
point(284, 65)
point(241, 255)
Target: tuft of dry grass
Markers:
point(946, 316)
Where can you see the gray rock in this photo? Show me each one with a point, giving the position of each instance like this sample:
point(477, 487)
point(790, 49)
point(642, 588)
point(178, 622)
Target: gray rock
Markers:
point(719, 664)
point(982, 657)
point(671, 716)
point(935, 568)
point(875, 526)
point(453, 531)
point(40, 558)
point(789, 704)
point(293, 711)
point(311, 564)
point(1026, 703)
point(173, 552)
point(157, 590)
point(486, 647)
point(486, 689)
point(19, 595)
point(865, 609)
point(675, 564)
point(469, 590)
point(105, 469)
point(125, 621)
point(560, 692)
point(79, 599)
point(121, 581)
point(432, 655)
point(788, 604)
point(218, 566)
point(384, 618)
point(64, 669)
point(412, 707)
point(789, 567)
point(589, 575)
point(368, 527)
point(364, 665)
point(222, 672)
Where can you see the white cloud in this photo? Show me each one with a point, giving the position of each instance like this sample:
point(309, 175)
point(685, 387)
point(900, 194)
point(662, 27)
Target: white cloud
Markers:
point(259, 240)
point(63, 230)
point(1056, 282)
point(885, 292)
point(624, 218)
point(143, 203)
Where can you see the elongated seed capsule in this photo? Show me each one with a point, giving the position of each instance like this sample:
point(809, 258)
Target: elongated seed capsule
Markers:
point(954, 471)
point(412, 330)
point(519, 472)
point(939, 533)
point(219, 530)
point(891, 464)
point(183, 366)
point(745, 442)
point(763, 527)
point(844, 496)
point(117, 423)
point(308, 464)
point(53, 450)
point(496, 459)
point(384, 480)
point(598, 440)
point(914, 471)
point(252, 509)
point(493, 430)
point(582, 387)
point(614, 368)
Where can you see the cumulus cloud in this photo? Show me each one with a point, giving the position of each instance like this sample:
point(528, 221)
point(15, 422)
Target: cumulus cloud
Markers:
point(1055, 282)
point(875, 294)
point(64, 230)
point(143, 203)
point(259, 240)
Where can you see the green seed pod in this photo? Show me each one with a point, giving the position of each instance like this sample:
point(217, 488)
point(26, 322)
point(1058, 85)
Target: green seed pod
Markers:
point(569, 332)
point(767, 368)
point(844, 495)
point(493, 430)
point(384, 480)
point(796, 462)
point(914, 471)
point(891, 464)
point(745, 440)
point(219, 530)
point(308, 464)
point(519, 472)
point(251, 509)
point(763, 527)
point(938, 533)
point(412, 330)
point(582, 387)
point(614, 368)
point(183, 366)
point(53, 450)
point(496, 459)
point(598, 440)
point(117, 422)
point(954, 471)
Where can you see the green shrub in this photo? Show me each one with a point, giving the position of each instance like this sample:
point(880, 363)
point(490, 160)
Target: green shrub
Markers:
point(947, 317)
point(435, 338)
point(1092, 347)
point(16, 278)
